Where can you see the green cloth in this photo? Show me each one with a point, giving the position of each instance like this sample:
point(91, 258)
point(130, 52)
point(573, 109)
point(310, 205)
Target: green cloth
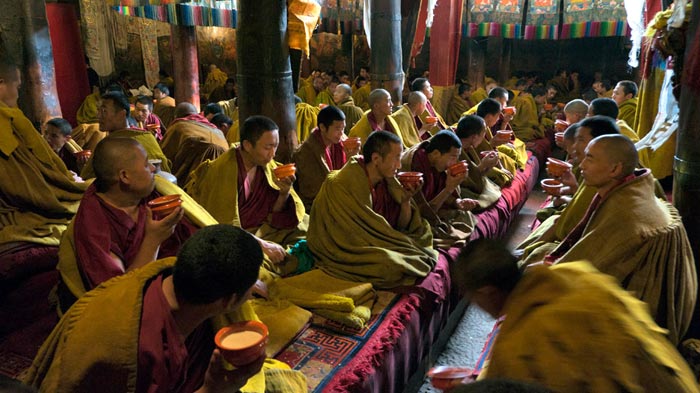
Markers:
point(353, 242)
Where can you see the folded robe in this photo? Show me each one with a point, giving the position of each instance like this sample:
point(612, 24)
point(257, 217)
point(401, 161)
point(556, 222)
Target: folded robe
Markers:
point(364, 127)
point(475, 186)
point(406, 123)
point(87, 135)
point(628, 110)
point(353, 113)
point(361, 96)
point(182, 129)
point(457, 107)
point(306, 120)
point(376, 252)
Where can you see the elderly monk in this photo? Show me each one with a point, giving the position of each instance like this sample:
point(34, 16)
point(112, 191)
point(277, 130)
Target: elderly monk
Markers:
point(189, 124)
point(114, 231)
point(555, 228)
point(240, 188)
point(39, 195)
point(114, 116)
point(608, 107)
point(390, 245)
point(568, 327)
point(630, 234)
point(471, 130)
point(423, 85)
point(342, 96)
point(322, 153)
point(407, 117)
point(439, 200)
point(625, 95)
point(378, 118)
point(146, 119)
point(151, 330)
point(164, 104)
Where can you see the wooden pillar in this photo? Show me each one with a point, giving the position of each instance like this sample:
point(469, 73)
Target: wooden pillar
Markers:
point(386, 61)
point(504, 59)
point(444, 48)
point(185, 64)
point(410, 14)
point(25, 34)
point(264, 71)
point(477, 58)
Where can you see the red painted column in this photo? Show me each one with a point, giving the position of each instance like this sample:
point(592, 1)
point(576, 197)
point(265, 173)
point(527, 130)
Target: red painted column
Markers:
point(446, 34)
point(185, 64)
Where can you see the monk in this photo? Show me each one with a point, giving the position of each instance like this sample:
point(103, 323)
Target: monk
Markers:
point(502, 174)
point(215, 78)
point(630, 234)
point(439, 200)
point(240, 188)
point(575, 111)
point(423, 85)
point(210, 110)
point(225, 92)
point(378, 118)
point(114, 115)
point(190, 124)
point(325, 96)
point(146, 119)
point(568, 327)
point(150, 331)
point(342, 97)
point(361, 79)
point(459, 103)
point(39, 195)
point(471, 130)
point(407, 117)
point(361, 94)
point(322, 153)
point(164, 104)
point(555, 228)
point(608, 107)
point(87, 112)
point(57, 134)
point(482, 93)
point(562, 83)
point(114, 231)
point(390, 245)
point(526, 123)
point(306, 120)
point(625, 95)
point(309, 90)
point(602, 88)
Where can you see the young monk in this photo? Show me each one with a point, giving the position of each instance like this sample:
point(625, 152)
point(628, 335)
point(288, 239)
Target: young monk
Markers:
point(164, 105)
point(114, 114)
point(378, 118)
point(150, 331)
point(240, 188)
point(423, 85)
point(413, 129)
point(502, 174)
point(625, 95)
point(57, 134)
point(391, 245)
point(322, 153)
point(592, 336)
point(608, 107)
point(146, 119)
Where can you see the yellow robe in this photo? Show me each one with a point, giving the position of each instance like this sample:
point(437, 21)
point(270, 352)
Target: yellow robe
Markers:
point(478, 95)
point(362, 129)
point(182, 130)
point(307, 93)
point(475, 186)
point(572, 329)
point(146, 139)
point(353, 113)
point(456, 109)
point(87, 135)
point(39, 196)
point(628, 110)
point(214, 79)
point(407, 126)
point(375, 253)
point(312, 169)
point(87, 113)
point(526, 123)
point(627, 131)
point(165, 110)
point(306, 120)
point(361, 96)
point(324, 97)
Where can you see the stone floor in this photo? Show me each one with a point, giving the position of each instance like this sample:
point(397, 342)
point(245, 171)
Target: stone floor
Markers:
point(466, 343)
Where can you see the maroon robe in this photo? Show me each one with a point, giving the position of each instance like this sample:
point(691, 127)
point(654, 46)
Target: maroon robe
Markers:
point(334, 155)
point(382, 201)
point(375, 127)
point(69, 159)
point(254, 210)
point(168, 362)
point(433, 181)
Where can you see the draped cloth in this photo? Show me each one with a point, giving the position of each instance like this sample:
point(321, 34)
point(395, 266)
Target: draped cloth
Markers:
point(183, 129)
point(376, 252)
point(314, 161)
point(87, 112)
point(475, 186)
point(306, 120)
point(353, 113)
point(164, 108)
point(573, 329)
point(526, 122)
point(367, 125)
point(406, 123)
point(644, 245)
point(361, 96)
point(457, 107)
point(628, 110)
point(39, 195)
point(88, 135)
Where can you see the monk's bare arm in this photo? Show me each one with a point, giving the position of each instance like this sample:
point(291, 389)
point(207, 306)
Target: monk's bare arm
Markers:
point(285, 186)
point(445, 195)
point(156, 233)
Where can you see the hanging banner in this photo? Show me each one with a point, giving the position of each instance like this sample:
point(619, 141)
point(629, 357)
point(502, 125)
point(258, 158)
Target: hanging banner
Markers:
point(594, 18)
point(302, 18)
point(542, 21)
point(341, 16)
point(195, 13)
point(494, 18)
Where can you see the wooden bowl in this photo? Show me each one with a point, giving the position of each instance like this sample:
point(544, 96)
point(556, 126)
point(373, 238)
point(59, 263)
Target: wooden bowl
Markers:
point(286, 170)
point(458, 168)
point(431, 119)
point(561, 105)
point(163, 200)
point(561, 125)
point(551, 186)
point(409, 178)
point(84, 154)
point(557, 167)
point(242, 343)
point(504, 134)
point(351, 142)
point(444, 377)
point(509, 110)
point(161, 211)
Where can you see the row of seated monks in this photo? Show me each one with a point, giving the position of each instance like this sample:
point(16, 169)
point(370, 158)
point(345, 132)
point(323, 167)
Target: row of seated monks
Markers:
point(141, 295)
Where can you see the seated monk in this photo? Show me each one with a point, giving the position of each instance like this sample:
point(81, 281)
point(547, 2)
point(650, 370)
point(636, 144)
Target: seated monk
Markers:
point(439, 200)
point(164, 106)
point(555, 228)
point(151, 330)
point(625, 95)
point(39, 195)
point(114, 231)
point(503, 173)
point(361, 95)
point(471, 131)
point(342, 96)
point(309, 90)
point(413, 129)
point(325, 96)
point(87, 112)
point(423, 85)
point(575, 111)
point(568, 327)
point(378, 118)
point(459, 103)
point(526, 122)
point(630, 234)
point(608, 107)
point(322, 153)
point(391, 245)
point(146, 119)
point(515, 148)
point(114, 117)
point(189, 124)
point(57, 134)
point(482, 93)
point(240, 188)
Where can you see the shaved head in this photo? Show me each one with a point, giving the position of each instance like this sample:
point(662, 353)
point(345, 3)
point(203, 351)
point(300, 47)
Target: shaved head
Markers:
point(376, 96)
point(577, 106)
point(618, 149)
point(345, 88)
point(111, 156)
point(416, 98)
point(185, 109)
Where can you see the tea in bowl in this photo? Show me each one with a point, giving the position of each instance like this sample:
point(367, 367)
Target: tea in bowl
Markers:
point(557, 167)
point(548, 107)
point(164, 205)
point(409, 178)
point(284, 171)
point(504, 134)
point(509, 110)
point(458, 168)
point(242, 343)
point(351, 142)
point(444, 377)
point(551, 186)
point(561, 125)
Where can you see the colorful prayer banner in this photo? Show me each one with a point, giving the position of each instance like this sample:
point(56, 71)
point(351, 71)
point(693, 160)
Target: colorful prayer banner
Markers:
point(594, 18)
point(542, 20)
point(495, 18)
point(195, 13)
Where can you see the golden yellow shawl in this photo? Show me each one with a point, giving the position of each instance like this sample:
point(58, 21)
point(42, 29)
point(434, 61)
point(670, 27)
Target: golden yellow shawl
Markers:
point(526, 123)
point(39, 195)
point(87, 113)
point(312, 169)
point(87, 136)
point(324, 97)
point(457, 107)
point(307, 93)
point(627, 131)
point(353, 113)
point(181, 130)
point(478, 95)
point(476, 186)
point(406, 126)
point(375, 252)
point(306, 120)
point(362, 129)
point(361, 96)
point(628, 110)
point(571, 328)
